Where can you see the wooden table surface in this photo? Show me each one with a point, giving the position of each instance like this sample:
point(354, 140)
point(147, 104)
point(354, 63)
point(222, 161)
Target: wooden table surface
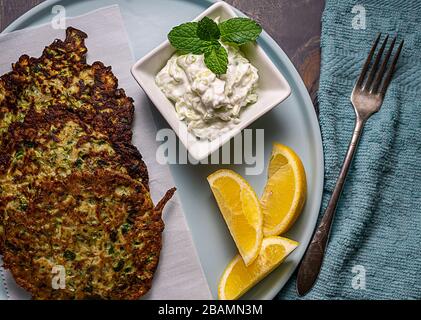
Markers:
point(294, 24)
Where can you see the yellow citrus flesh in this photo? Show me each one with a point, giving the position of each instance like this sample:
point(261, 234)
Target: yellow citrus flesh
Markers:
point(240, 208)
point(239, 278)
point(285, 191)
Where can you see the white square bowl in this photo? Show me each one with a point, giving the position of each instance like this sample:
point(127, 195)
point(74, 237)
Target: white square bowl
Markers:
point(272, 88)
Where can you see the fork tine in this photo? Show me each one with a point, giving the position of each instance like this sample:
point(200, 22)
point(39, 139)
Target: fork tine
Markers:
point(391, 70)
point(381, 72)
point(375, 64)
point(367, 62)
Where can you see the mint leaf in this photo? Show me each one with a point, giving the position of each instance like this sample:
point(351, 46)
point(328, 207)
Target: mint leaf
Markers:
point(216, 59)
point(184, 37)
point(203, 38)
point(208, 29)
point(239, 30)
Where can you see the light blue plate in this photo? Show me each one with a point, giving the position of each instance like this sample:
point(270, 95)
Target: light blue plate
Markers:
point(293, 123)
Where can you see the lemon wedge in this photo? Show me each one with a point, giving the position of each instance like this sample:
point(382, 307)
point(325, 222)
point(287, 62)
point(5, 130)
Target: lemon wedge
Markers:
point(285, 191)
point(238, 278)
point(240, 208)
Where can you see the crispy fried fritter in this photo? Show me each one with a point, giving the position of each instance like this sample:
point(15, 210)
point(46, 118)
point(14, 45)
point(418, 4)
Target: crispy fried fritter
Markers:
point(57, 144)
point(62, 77)
point(101, 227)
point(70, 197)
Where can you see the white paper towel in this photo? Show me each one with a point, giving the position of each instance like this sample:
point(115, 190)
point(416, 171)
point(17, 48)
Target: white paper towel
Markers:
point(179, 274)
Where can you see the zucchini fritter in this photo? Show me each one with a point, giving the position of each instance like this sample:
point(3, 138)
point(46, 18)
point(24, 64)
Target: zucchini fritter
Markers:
point(101, 227)
point(62, 77)
point(68, 191)
point(55, 145)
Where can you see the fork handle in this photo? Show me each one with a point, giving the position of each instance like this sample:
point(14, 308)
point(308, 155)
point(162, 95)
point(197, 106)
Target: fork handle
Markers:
point(313, 258)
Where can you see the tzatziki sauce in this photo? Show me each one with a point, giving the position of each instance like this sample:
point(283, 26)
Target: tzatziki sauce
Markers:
point(209, 104)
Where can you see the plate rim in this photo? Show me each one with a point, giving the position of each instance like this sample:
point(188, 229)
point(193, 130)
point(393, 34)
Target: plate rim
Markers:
point(315, 126)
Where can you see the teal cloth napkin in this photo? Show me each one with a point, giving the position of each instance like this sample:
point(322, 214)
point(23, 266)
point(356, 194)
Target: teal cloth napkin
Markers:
point(376, 234)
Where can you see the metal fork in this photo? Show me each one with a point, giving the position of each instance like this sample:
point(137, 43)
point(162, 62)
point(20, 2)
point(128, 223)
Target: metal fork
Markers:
point(366, 98)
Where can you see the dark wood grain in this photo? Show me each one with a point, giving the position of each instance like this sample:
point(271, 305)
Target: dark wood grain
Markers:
point(294, 24)
point(12, 9)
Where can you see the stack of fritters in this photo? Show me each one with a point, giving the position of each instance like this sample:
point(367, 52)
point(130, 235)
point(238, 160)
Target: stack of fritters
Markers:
point(73, 189)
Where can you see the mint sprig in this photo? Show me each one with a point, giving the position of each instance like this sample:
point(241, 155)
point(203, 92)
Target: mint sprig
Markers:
point(204, 37)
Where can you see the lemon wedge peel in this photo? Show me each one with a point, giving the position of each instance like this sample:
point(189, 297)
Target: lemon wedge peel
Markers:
point(280, 206)
point(238, 278)
point(241, 210)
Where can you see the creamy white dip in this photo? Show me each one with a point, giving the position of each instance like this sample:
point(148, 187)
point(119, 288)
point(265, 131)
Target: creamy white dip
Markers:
point(209, 104)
